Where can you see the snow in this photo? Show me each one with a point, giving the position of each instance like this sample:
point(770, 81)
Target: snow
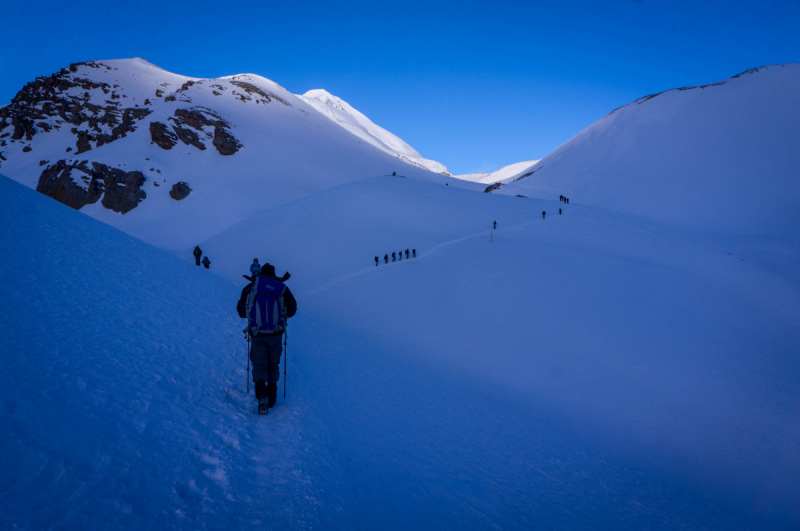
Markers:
point(719, 159)
point(290, 151)
point(630, 363)
point(504, 174)
point(589, 371)
point(340, 112)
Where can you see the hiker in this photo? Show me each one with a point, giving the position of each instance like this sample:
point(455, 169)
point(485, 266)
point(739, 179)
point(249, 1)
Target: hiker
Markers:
point(393, 258)
point(495, 224)
point(273, 302)
point(413, 253)
point(206, 262)
point(254, 268)
point(542, 214)
point(559, 211)
point(386, 259)
point(401, 255)
point(406, 254)
point(566, 200)
point(561, 198)
point(197, 254)
point(376, 261)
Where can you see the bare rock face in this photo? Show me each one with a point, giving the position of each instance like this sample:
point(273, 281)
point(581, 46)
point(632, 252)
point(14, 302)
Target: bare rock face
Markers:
point(77, 185)
point(76, 191)
point(180, 190)
point(191, 125)
point(51, 102)
point(162, 136)
point(260, 95)
point(225, 142)
point(492, 187)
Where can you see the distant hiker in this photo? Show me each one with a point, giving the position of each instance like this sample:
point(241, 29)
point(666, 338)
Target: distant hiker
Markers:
point(386, 259)
point(495, 224)
point(401, 255)
point(566, 200)
point(206, 262)
point(394, 173)
point(413, 253)
point(266, 303)
point(543, 214)
point(197, 254)
point(406, 254)
point(559, 211)
point(393, 258)
point(254, 268)
point(561, 198)
point(376, 261)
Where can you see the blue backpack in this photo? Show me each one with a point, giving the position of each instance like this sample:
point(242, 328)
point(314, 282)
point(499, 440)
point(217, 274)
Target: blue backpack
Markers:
point(266, 313)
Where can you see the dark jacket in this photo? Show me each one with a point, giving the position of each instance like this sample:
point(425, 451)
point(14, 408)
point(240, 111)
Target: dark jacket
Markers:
point(288, 301)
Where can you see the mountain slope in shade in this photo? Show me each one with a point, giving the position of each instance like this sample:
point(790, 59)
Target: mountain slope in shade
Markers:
point(722, 159)
point(345, 115)
point(172, 159)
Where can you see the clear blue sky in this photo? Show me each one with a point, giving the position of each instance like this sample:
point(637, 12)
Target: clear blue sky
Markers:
point(475, 85)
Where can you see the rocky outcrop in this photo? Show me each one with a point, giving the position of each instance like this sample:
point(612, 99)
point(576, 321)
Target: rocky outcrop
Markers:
point(57, 181)
point(225, 142)
point(50, 102)
point(180, 190)
point(492, 187)
point(162, 137)
point(254, 92)
point(190, 125)
point(78, 184)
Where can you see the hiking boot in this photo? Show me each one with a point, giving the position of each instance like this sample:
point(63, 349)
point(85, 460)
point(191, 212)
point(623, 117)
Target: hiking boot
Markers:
point(263, 405)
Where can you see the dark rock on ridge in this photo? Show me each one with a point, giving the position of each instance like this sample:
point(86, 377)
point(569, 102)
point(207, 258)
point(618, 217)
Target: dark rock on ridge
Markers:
point(180, 190)
point(162, 136)
point(120, 190)
point(225, 142)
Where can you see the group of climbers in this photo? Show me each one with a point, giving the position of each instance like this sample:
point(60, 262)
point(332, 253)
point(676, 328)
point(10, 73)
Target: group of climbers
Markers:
point(395, 256)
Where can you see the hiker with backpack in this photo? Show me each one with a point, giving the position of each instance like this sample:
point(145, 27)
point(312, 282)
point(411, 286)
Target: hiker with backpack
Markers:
point(254, 268)
point(266, 303)
point(413, 253)
point(495, 224)
point(376, 261)
point(206, 262)
point(197, 254)
point(406, 254)
point(543, 214)
point(386, 259)
point(394, 259)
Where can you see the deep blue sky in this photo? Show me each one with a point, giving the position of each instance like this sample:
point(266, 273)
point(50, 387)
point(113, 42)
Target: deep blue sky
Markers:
point(475, 85)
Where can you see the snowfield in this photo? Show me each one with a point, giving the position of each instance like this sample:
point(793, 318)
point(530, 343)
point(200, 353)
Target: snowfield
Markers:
point(630, 362)
point(600, 372)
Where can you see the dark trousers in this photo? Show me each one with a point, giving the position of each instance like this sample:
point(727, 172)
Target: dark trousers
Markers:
point(265, 355)
point(196, 260)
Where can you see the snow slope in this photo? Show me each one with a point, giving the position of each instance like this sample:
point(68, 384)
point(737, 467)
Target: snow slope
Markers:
point(585, 371)
point(654, 350)
point(504, 174)
point(345, 115)
point(288, 149)
point(721, 159)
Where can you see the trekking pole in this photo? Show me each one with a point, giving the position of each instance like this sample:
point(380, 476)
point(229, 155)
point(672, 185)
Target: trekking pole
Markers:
point(248, 360)
point(285, 357)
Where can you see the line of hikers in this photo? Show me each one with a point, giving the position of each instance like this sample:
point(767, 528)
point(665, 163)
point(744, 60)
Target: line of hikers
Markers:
point(563, 199)
point(395, 255)
point(197, 254)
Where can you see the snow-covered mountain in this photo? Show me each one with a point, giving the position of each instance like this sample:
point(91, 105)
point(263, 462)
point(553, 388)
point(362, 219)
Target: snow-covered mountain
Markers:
point(722, 159)
point(345, 115)
point(172, 159)
point(503, 175)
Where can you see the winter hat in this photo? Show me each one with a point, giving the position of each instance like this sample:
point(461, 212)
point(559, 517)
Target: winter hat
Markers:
point(267, 270)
